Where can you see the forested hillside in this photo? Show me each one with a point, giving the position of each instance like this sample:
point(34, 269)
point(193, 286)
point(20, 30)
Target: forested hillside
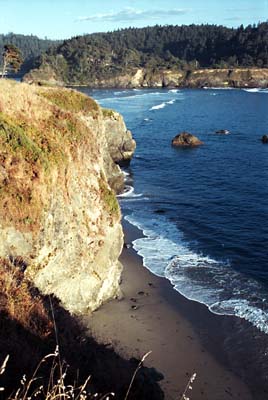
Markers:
point(104, 55)
point(30, 47)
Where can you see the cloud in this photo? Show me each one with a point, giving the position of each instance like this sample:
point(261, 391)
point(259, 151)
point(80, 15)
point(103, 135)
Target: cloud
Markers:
point(131, 14)
point(247, 9)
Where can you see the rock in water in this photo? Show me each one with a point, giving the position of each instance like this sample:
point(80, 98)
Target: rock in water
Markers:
point(185, 139)
point(264, 139)
point(223, 132)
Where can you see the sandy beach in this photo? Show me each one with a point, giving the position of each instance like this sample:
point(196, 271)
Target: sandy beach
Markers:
point(149, 317)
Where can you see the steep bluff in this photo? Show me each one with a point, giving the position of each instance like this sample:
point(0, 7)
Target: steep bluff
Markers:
point(149, 78)
point(59, 217)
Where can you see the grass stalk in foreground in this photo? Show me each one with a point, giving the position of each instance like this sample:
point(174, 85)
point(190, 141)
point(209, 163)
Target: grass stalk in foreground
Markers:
point(188, 387)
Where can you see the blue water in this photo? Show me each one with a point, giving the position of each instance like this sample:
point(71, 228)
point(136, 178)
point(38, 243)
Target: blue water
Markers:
point(203, 211)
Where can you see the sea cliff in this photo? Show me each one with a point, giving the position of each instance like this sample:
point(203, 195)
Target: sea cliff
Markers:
point(150, 78)
point(59, 216)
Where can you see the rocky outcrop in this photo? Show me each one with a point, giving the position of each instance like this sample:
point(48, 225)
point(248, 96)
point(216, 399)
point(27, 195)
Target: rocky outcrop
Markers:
point(120, 142)
point(141, 77)
point(58, 214)
point(223, 132)
point(185, 139)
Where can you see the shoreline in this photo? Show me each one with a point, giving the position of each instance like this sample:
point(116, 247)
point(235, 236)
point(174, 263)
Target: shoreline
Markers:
point(183, 335)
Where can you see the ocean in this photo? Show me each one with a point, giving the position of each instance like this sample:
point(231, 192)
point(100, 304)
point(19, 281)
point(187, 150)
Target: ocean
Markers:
point(203, 211)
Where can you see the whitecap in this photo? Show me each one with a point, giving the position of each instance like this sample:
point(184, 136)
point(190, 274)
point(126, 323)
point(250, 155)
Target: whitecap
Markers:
point(252, 90)
point(171, 101)
point(256, 90)
point(158, 106)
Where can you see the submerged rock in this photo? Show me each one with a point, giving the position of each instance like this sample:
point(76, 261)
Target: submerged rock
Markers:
point(185, 139)
point(264, 139)
point(223, 132)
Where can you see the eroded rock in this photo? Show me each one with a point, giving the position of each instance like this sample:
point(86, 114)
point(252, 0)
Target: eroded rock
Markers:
point(185, 139)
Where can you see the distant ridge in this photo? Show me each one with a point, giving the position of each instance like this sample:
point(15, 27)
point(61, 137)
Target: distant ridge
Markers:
point(102, 56)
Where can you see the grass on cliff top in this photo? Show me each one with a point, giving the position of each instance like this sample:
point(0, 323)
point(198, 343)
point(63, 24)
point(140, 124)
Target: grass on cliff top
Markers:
point(70, 100)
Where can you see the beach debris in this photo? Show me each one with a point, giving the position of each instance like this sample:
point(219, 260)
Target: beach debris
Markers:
point(151, 284)
point(127, 245)
point(133, 299)
point(141, 293)
point(134, 307)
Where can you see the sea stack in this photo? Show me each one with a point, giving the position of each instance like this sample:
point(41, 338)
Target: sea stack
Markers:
point(185, 139)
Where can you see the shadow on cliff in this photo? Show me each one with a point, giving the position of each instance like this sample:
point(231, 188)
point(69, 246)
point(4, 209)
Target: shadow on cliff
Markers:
point(84, 356)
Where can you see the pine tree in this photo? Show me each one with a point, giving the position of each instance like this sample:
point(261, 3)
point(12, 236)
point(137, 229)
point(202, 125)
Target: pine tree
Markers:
point(12, 58)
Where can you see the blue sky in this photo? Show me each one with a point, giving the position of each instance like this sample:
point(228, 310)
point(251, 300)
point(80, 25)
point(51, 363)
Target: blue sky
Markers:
point(59, 19)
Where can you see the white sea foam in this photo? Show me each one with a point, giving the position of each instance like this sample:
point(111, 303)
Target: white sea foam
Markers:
point(256, 90)
point(196, 276)
point(242, 308)
point(129, 192)
point(173, 90)
point(125, 173)
point(162, 105)
point(158, 106)
point(252, 90)
point(218, 88)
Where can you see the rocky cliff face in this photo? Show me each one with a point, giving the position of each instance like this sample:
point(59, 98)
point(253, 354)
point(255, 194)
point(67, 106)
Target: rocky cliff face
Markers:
point(59, 218)
point(236, 77)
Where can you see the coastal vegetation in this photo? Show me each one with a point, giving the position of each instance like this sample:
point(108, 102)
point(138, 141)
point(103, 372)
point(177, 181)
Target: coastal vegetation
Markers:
point(98, 56)
point(30, 46)
point(12, 59)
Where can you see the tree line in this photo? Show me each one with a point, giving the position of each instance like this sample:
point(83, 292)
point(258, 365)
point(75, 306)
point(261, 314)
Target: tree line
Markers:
point(104, 55)
point(30, 47)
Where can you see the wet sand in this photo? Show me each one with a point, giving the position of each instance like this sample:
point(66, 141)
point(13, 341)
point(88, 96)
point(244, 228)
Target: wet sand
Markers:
point(152, 316)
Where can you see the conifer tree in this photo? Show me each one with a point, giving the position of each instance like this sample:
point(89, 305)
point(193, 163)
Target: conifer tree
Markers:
point(12, 58)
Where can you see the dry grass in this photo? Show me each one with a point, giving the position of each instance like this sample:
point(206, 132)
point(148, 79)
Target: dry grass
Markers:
point(188, 388)
point(19, 301)
point(56, 388)
point(70, 100)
